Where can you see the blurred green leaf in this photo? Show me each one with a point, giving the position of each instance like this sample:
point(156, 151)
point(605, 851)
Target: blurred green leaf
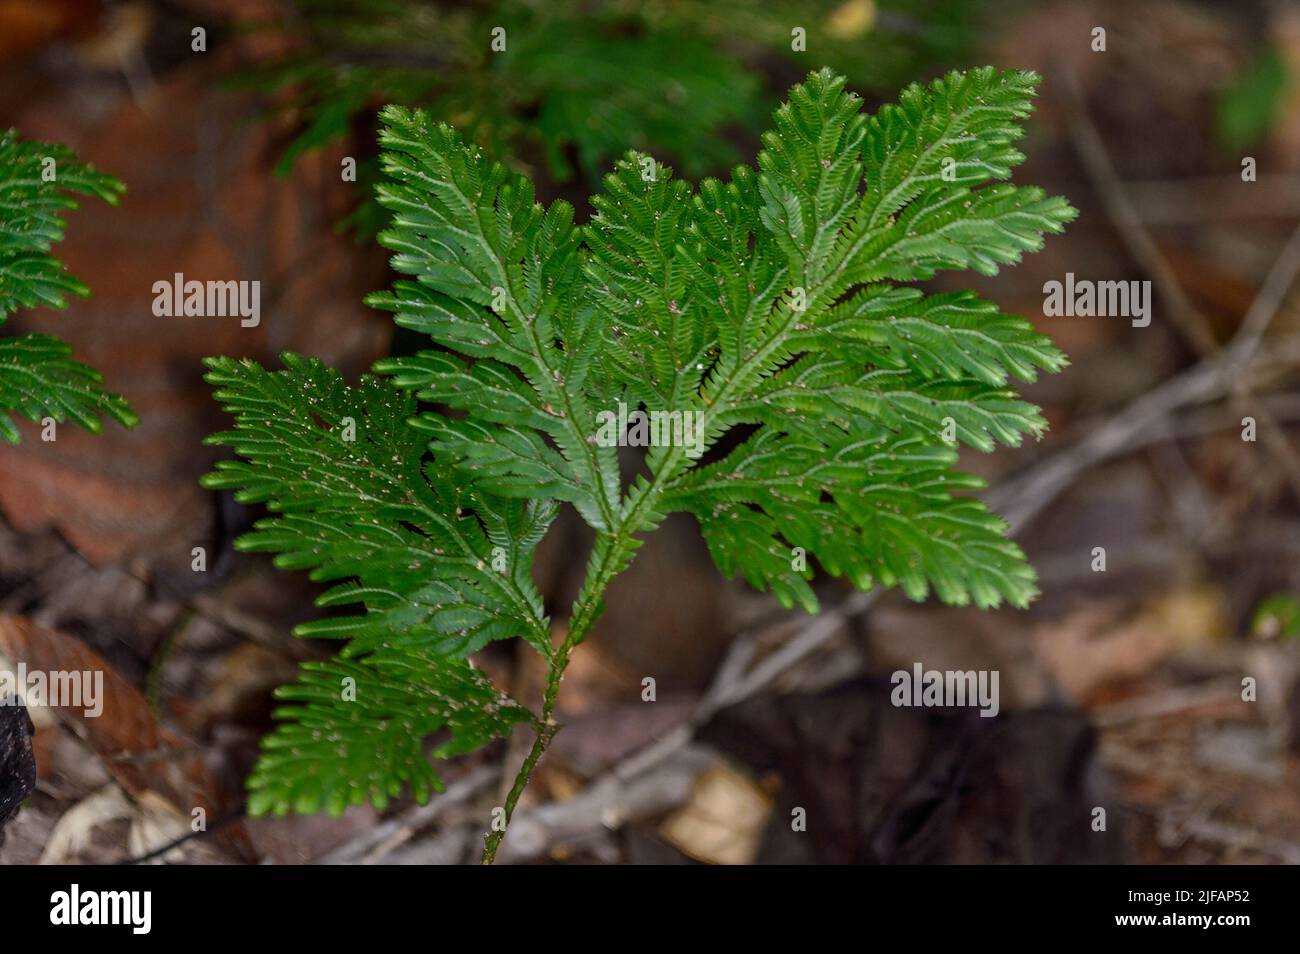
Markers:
point(1248, 108)
point(1277, 616)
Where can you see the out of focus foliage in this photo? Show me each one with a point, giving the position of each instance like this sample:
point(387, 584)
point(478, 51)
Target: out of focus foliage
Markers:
point(39, 378)
point(568, 86)
point(1249, 106)
point(1277, 616)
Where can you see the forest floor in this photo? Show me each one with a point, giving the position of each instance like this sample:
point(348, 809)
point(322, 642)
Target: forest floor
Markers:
point(1121, 689)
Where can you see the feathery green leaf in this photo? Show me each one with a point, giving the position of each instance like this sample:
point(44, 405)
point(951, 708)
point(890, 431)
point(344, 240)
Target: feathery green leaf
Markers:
point(38, 376)
point(793, 395)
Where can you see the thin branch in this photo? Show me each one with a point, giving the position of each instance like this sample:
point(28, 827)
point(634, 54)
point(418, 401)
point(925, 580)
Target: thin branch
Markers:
point(1133, 234)
point(1022, 498)
point(1190, 322)
point(373, 844)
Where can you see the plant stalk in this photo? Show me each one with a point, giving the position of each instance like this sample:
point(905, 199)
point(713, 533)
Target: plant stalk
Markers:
point(611, 560)
point(546, 729)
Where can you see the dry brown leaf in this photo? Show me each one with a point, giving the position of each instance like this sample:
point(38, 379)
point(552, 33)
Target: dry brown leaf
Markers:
point(1095, 647)
point(724, 820)
point(140, 755)
point(201, 201)
point(26, 26)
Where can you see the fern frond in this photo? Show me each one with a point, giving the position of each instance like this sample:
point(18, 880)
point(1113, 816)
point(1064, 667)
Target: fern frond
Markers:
point(38, 377)
point(439, 568)
point(356, 733)
point(766, 309)
point(434, 563)
point(492, 265)
point(891, 518)
point(952, 336)
point(786, 275)
point(696, 297)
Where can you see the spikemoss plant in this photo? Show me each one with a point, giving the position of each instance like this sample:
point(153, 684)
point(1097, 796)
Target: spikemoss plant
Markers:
point(775, 308)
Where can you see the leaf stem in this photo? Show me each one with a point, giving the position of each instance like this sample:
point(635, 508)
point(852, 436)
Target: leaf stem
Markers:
point(546, 729)
point(610, 560)
point(545, 732)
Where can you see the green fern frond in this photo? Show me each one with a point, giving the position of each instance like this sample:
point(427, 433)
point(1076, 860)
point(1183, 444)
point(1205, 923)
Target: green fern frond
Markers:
point(439, 568)
point(431, 560)
point(825, 398)
point(356, 733)
point(726, 302)
point(38, 377)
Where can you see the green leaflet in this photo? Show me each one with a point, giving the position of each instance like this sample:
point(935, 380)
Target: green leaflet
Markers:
point(953, 336)
point(38, 376)
point(439, 568)
point(357, 732)
point(892, 518)
point(491, 261)
point(769, 308)
point(353, 500)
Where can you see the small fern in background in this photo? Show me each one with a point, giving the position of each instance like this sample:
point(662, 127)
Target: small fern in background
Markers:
point(571, 84)
point(773, 307)
point(38, 376)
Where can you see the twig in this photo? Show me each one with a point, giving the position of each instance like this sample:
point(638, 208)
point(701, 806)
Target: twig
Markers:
point(1132, 233)
point(613, 801)
point(1022, 498)
point(1203, 828)
point(1192, 324)
point(1268, 300)
point(373, 844)
point(1167, 703)
point(212, 829)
